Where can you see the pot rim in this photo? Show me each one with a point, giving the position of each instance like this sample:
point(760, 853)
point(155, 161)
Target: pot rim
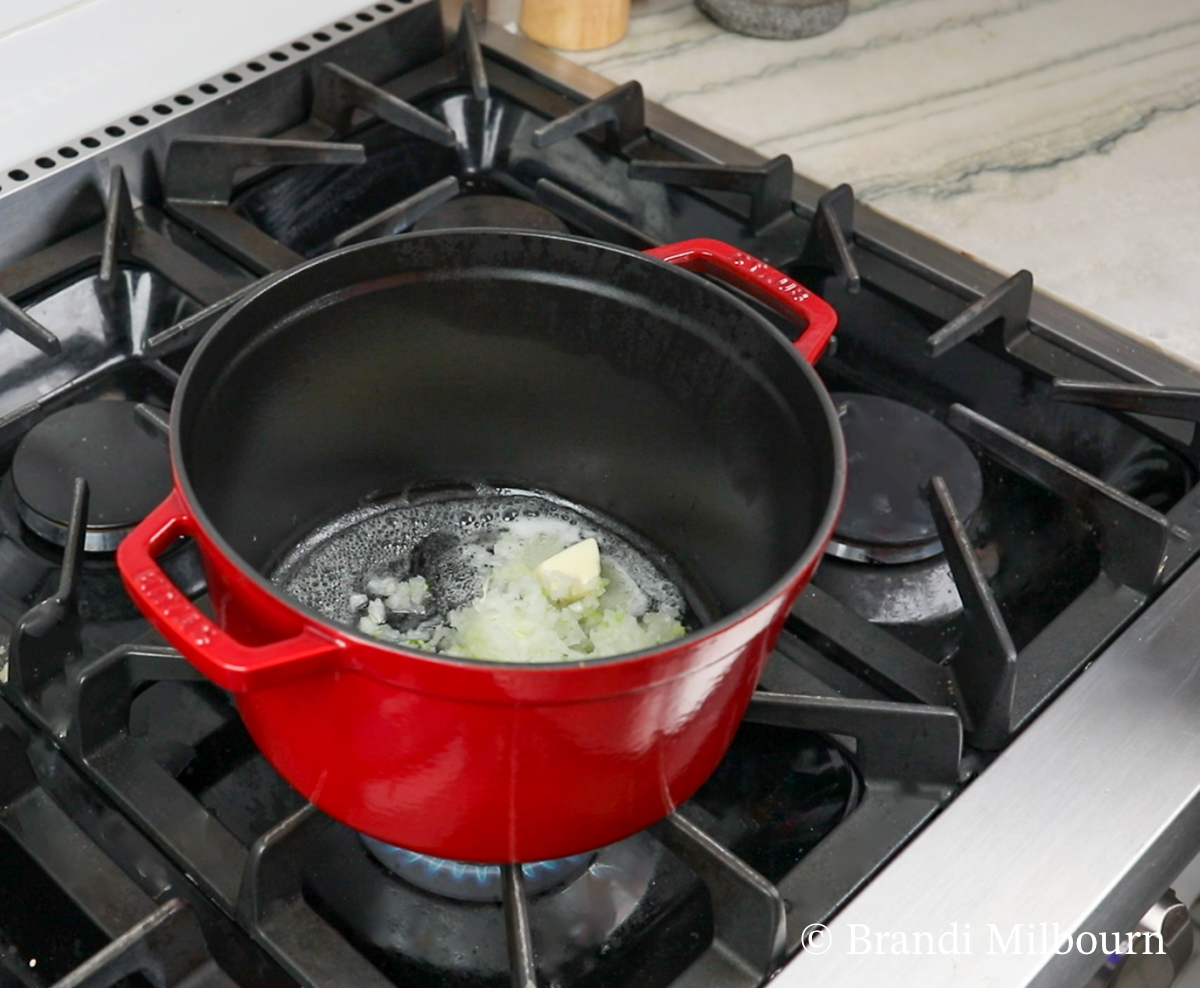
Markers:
point(808, 558)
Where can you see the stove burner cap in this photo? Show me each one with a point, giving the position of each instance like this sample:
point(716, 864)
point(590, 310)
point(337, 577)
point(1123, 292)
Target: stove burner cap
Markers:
point(892, 451)
point(126, 466)
point(472, 882)
point(492, 211)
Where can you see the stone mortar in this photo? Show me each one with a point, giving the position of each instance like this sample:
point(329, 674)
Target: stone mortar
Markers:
point(776, 18)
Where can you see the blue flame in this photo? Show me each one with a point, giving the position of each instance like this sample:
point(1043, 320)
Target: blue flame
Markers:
point(474, 882)
point(484, 874)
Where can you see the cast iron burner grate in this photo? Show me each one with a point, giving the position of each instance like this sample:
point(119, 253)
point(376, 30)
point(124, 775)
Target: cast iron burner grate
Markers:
point(87, 900)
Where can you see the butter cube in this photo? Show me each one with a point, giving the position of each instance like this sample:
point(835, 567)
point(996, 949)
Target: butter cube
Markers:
point(572, 573)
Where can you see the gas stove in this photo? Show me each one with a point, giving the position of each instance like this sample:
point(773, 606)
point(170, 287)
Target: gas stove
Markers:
point(927, 745)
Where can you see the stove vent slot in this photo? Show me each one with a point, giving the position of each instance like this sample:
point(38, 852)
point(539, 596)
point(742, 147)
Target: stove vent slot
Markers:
point(197, 97)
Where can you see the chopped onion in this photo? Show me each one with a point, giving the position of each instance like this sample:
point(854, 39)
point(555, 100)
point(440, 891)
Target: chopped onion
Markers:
point(409, 596)
point(521, 615)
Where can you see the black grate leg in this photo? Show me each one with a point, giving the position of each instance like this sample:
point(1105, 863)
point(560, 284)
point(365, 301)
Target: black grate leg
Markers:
point(398, 218)
point(47, 637)
point(1008, 304)
point(985, 665)
point(833, 232)
point(1139, 399)
point(769, 185)
point(340, 92)
point(748, 912)
point(1133, 537)
point(621, 111)
point(594, 220)
point(16, 320)
point(118, 231)
point(908, 742)
point(199, 184)
point(521, 960)
point(470, 54)
point(167, 948)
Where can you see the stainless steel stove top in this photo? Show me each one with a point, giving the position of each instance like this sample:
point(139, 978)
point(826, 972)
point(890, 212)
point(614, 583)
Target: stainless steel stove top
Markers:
point(984, 718)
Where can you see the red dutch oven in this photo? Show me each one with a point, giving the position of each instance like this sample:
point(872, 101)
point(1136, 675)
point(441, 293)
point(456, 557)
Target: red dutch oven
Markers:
point(619, 380)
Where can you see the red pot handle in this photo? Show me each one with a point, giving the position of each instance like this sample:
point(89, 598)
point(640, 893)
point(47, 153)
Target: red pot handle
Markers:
point(223, 659)
point(767, 284)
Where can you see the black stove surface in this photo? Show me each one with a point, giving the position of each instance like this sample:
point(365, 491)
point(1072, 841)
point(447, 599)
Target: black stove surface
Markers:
point(1002, 528)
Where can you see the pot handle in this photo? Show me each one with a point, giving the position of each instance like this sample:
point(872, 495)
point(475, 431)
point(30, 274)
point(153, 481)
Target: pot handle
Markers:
point(226, 661)
point(767, 284)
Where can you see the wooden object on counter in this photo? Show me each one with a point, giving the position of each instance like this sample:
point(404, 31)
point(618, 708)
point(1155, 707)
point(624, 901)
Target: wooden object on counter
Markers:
point(575, 25)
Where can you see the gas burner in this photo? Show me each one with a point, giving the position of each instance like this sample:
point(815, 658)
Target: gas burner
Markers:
point(490, 211)
point(893, 450)
point(631, 914)
point(127, 468)
point(896, 596)
point(472, 882)
point(886, 562)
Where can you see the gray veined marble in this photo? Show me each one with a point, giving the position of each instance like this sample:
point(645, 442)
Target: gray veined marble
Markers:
point(1061, 136)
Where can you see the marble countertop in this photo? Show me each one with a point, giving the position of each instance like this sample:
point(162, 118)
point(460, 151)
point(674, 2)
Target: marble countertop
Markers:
point(1062, 136)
